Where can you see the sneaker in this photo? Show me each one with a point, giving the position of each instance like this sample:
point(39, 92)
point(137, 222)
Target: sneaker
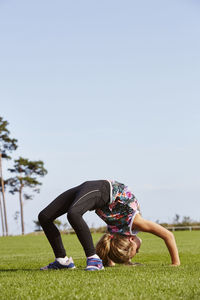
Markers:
point(94, 264)
point(57, 266)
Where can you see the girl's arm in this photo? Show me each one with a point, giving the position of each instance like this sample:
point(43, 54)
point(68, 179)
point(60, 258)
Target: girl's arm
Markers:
point(148, 226)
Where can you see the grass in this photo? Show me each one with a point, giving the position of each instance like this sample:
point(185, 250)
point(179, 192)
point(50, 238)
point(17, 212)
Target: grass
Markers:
point(22, 256)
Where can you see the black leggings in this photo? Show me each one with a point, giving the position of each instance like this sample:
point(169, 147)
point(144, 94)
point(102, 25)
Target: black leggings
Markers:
point(90, 195)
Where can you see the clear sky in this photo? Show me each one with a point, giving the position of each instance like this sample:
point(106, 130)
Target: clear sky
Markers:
point(105, 89)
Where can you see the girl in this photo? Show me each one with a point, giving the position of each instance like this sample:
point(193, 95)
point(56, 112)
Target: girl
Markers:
point(118, 207)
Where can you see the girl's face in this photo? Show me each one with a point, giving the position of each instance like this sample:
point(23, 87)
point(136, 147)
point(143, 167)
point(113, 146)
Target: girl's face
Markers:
point(136, 243)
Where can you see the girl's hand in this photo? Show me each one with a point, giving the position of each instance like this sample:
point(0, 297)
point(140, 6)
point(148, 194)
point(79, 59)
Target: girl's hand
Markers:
point(110, 263)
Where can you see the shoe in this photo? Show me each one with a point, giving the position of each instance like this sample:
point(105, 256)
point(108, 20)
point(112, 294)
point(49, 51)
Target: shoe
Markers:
point(57, 266)
point(94, 264)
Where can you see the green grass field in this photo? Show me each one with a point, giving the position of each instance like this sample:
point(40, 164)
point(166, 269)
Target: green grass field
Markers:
point(21, 258)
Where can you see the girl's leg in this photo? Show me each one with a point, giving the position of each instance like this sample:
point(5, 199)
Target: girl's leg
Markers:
point(93, 195)
point(54, 210)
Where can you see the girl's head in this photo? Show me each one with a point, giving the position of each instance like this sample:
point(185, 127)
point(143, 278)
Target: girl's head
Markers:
point(119, 248)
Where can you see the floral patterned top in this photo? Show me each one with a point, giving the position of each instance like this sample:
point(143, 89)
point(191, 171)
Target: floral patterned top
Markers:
point(119, 214)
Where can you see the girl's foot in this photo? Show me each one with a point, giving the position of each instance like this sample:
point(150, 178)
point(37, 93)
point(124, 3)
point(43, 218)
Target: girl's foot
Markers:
point(94, 264)
point(57, 266)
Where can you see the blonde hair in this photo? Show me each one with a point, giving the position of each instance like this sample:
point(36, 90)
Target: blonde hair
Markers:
point(116, 247)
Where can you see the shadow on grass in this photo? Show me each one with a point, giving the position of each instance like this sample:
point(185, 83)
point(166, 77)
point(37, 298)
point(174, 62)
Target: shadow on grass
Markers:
point(15, 270)
point(78, 268)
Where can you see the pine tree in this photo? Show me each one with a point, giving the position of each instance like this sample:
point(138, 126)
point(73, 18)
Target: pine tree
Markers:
point(26, 177)
point(6, 145)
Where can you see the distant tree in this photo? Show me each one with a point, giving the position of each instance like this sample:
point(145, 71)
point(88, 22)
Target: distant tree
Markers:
point(186, 221)
point(6, 145)
point(39, 228)
point(37, 225)
point(58, 223)
point(16, 216)
point(176, 219)
point(26, 177)
point(67, 227)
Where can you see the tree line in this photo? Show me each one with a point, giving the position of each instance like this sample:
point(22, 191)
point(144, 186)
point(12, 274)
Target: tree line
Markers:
point(25, 173)
point(179, 221)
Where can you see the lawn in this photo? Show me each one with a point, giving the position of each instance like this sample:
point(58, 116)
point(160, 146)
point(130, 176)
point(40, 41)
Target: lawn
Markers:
point(22, 256)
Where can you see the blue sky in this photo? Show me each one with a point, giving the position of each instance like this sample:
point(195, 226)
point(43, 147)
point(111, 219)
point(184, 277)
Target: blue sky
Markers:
point(105, 89)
